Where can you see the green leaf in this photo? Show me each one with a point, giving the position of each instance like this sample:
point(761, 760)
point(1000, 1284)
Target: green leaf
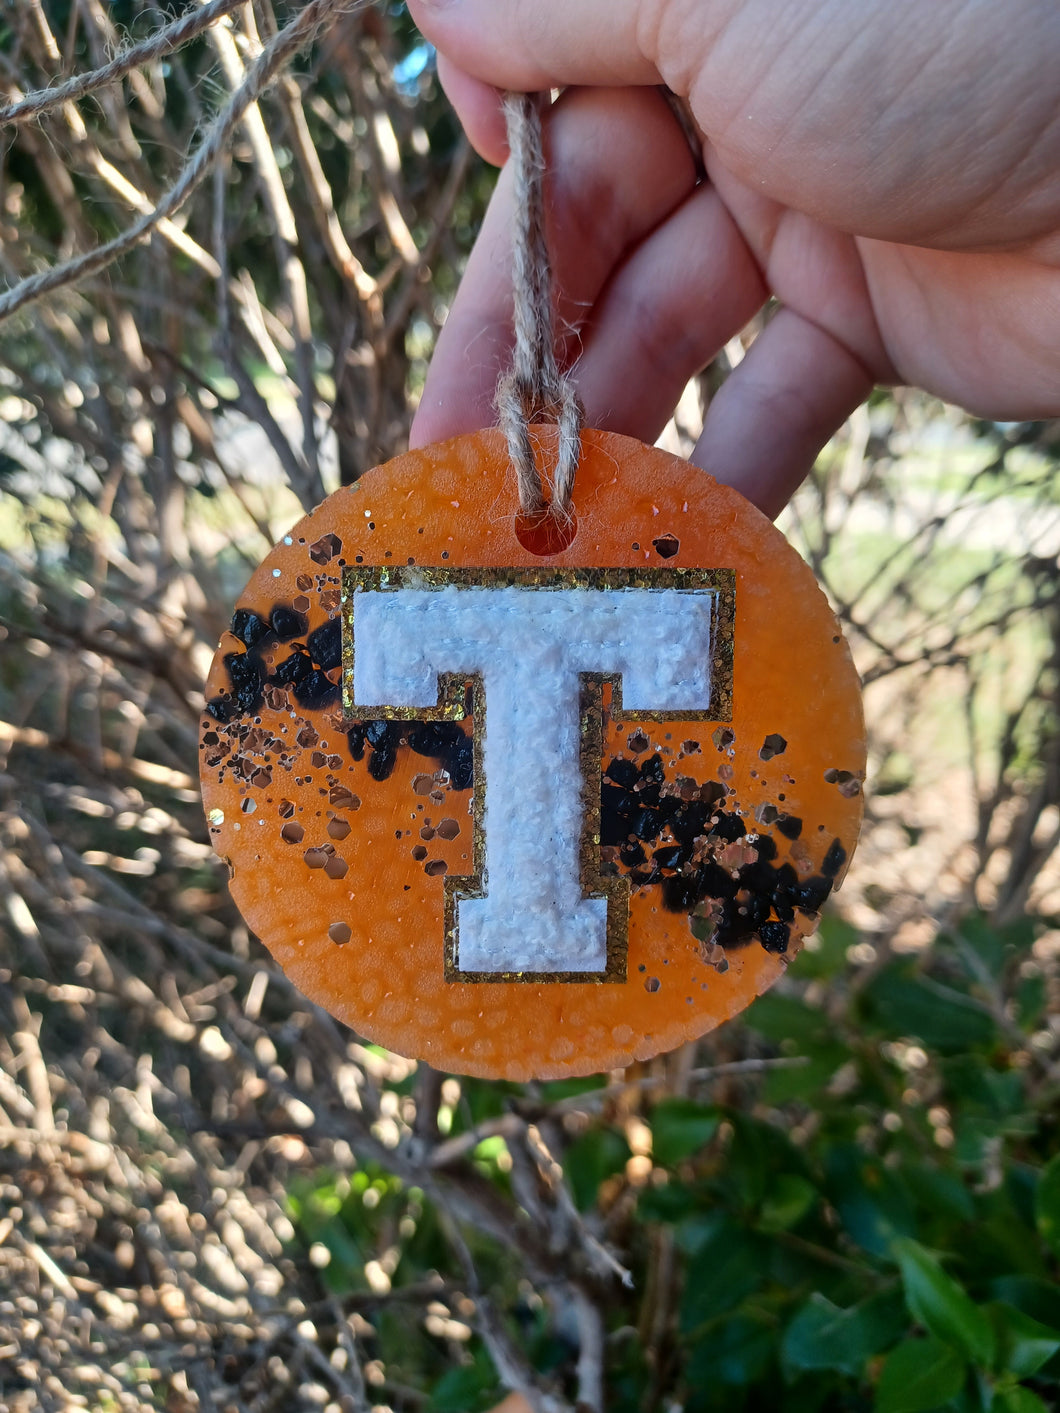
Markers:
point(1017, 1400)
point(556, 1089)
point(1031, 1295)
point(1032, 998)
point(596, 1155)
point(1024, 1345)
point(737, 1353)
point(757, 1154)
point(679, 1128)
point(781, 1018)
point(823, 1058)
point(941, 1305)
point(824, 1336)
point(871, 1199)
point(985, 940)
point(1047, 1204)
point(945, 1019)
point(786, 1203)
point(673, 1202)
point(728, 1263)
point(938, 1191)
point(483, 1100)
point(467, 1389)
point(975, 1085)
point(919, 1376)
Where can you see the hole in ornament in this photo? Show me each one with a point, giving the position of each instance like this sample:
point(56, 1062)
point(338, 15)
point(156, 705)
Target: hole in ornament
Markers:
point(544, 533)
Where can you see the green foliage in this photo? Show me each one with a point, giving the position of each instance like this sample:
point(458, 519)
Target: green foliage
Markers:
point(598, 1154)
point(920, 1375)
point(680, 1127)
point(1047, 1204)
point(870, 1222)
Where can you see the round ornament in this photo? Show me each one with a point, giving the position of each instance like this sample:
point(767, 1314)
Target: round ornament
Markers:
point(529, 799)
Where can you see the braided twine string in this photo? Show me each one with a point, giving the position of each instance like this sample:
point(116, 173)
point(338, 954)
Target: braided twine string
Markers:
point(534, 389)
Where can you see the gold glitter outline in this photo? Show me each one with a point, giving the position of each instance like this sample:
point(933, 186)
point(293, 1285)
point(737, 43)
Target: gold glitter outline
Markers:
point(455, 689)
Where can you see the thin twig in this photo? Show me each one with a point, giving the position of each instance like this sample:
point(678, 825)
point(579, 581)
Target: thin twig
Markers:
point(156, 46)
point(300, 32)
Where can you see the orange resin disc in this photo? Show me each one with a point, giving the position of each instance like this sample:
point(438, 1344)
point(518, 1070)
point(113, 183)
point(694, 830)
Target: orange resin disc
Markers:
point(367, 848)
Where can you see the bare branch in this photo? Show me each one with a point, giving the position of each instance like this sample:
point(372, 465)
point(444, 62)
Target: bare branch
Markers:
point(279, 52)
point(156, 46)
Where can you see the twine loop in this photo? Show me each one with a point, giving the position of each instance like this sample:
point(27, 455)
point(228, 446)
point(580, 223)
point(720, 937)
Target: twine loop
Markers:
point(534, 389)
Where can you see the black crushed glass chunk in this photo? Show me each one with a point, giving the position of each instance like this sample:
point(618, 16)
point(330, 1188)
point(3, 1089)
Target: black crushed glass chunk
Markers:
point(680, 893)
point(623, 772)
point(249, 627)
point(755, 911)
point(615, 815)
point(433, 738)
point(287, 622)
point(812, 892)
point(293, 669)
point(632, 854)
point(790, 825)
point(670, 806)
point(355, 738)
point(459, 761)
point(713, 881)
point(733, 930)
point(784, 904)
point(647, 825)
point(381, 761)
point(690, 823)
point(325, 644)
point(774, 936)
point(786, 876)
point(246, 676)
point(649, 795)
point(758, 878)
point(617, 800)
point(450, 746)
point(834, 860)
point(314, 689)
point(652, 769)
point(670, 856)
point(712, 792)
point(384, 738)
point(730, 826)
point(766, 846)
point(220, 708)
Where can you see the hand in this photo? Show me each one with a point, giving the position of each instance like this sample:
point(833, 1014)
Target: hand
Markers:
point(889, 171)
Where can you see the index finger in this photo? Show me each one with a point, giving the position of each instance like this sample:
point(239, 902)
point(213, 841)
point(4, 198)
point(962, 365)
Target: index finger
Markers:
point(544, 44)
point(618, 165)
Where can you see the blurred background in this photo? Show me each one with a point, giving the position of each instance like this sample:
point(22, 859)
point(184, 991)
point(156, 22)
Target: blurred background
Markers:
point(212, 1195)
